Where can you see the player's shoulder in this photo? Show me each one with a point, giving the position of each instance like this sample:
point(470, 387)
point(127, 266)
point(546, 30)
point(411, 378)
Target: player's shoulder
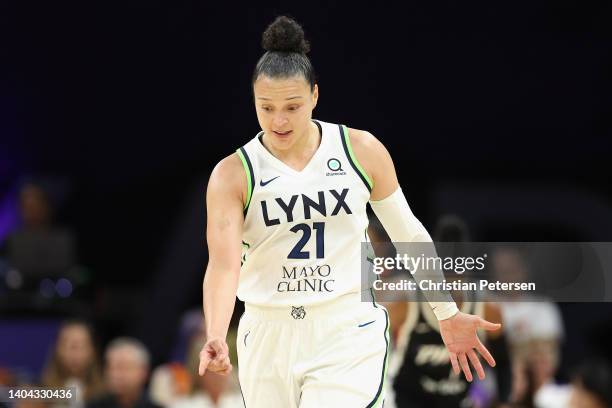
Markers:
point(369, 150)
point(228, 173)
point(362, 139)
point(228, 167)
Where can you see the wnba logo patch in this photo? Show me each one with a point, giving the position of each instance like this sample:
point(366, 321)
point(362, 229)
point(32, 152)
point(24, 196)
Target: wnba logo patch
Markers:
point(335, 168)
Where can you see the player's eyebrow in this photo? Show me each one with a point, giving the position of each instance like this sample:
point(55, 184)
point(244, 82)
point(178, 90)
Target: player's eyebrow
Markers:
point(287, 99)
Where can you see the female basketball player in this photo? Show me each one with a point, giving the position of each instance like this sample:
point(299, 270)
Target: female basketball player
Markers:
point(291, 204)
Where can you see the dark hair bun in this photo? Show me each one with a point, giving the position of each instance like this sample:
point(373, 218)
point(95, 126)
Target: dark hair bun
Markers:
point(285, 35)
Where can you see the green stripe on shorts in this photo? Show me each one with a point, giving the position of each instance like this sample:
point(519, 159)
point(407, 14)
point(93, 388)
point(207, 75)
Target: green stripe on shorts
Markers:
point(379, 398)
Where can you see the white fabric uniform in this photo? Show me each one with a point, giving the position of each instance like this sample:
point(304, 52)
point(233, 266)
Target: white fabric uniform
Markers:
point(306, 338)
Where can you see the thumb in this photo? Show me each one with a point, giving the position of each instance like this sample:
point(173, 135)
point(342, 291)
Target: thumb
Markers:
point(484, 324)
point(204, 360)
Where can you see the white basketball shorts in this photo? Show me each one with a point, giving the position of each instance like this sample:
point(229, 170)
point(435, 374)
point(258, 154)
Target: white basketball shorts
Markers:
point(329, 355)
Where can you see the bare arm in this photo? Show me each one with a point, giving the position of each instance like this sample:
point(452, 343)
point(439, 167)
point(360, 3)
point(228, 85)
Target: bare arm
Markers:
point(224, 204)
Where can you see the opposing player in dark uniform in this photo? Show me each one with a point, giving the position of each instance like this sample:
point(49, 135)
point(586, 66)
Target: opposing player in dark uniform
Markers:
point(424, 376)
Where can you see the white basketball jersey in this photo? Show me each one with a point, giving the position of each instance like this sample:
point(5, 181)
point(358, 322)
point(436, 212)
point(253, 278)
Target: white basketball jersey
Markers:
point(303, 229)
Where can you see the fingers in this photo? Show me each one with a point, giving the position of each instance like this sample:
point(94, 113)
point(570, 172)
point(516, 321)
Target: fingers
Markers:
point(223, 368)
point(226, 371)
point(462, 361)
point(476, 364)
point(485, 353)
point(484, 324)
point(455, 363)
point(466, 367)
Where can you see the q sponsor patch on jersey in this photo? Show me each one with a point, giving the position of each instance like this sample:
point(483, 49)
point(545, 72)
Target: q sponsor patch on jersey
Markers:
point(334, 168)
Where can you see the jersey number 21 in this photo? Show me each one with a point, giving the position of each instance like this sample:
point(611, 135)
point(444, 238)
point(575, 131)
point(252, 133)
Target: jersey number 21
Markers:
point(297, 251)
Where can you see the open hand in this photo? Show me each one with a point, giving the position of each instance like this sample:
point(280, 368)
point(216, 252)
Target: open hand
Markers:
point(215, 357)
point(459, 336)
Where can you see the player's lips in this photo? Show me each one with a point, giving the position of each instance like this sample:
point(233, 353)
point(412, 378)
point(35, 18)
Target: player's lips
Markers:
point(282, 134)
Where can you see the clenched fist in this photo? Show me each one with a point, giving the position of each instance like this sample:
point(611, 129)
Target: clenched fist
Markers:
point(215, 357)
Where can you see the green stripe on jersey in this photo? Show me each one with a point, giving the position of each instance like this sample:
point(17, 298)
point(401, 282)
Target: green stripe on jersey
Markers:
point(247, 170)
point(353, 158)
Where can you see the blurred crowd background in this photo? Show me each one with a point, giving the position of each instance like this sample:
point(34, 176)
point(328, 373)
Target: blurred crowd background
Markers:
point(112, 115)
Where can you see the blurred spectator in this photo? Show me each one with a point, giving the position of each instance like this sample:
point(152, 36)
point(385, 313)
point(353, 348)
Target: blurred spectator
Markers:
point(74, 362)
point(126, 371)
point(535, 331)
point(592, 386)
point(534, 371)
point(170, 382)
point(526, 318)
point(39, 249)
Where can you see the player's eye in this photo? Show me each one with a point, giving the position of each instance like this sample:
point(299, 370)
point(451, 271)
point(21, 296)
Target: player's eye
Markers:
point(266, 108)
point(293, 107)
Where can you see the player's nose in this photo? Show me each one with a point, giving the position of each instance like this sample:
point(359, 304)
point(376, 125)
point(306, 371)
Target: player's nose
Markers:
point(279, 121)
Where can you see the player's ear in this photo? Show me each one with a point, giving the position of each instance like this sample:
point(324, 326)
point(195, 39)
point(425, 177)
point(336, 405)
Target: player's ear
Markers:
point(315, 95)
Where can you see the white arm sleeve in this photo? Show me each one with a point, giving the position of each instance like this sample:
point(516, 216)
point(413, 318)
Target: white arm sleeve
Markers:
point(402, 226)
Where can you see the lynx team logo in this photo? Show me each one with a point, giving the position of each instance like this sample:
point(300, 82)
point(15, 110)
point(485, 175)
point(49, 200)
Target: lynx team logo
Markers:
point(298, 312)
point(335, 166)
